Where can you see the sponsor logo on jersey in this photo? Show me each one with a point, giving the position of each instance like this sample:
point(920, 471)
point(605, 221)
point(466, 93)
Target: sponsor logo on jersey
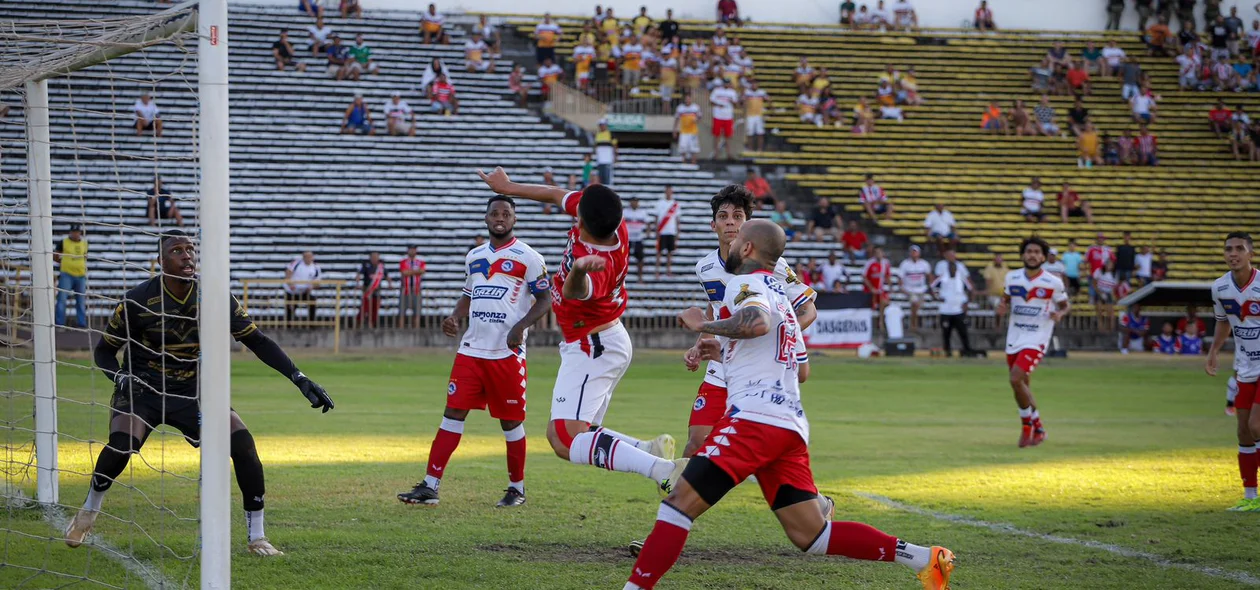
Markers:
point(1029, 310)
point(489, 292)
point(1223, 288)
point(1029, 327)
point(706, 267)
point(493, 317)
point(1247, 333)
point(744, 294)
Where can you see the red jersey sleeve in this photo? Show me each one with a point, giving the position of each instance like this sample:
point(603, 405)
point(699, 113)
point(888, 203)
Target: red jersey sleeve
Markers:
point(570, 202)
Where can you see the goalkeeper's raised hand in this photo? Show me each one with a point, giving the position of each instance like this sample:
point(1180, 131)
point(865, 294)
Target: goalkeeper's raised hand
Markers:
point(313, 392)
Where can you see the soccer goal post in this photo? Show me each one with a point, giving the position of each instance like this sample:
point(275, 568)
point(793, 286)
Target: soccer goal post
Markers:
point(70, 85)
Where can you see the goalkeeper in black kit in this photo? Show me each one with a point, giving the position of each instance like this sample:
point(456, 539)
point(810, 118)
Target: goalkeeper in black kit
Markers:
point(155, 326)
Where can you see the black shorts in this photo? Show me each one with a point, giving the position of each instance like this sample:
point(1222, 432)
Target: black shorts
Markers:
point(1074, 283)
point(880, 207)
point(181, 413)
point(666, 243)
point(636, 250)
point(1076, 212)
point(148, 125)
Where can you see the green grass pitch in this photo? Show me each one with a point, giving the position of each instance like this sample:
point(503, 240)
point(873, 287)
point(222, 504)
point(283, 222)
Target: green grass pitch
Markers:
point(1140, 456)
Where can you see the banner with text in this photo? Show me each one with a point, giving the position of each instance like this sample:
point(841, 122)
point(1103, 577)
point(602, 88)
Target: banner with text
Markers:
point(844, 321)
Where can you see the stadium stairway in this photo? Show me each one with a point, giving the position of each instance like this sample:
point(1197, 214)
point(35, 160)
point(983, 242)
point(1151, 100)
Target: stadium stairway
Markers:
point(298, 184)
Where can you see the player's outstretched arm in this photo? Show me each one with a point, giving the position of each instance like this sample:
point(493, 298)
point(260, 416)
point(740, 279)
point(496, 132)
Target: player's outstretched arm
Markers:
point(499, 182)
point(273, 356)
point(749, 322)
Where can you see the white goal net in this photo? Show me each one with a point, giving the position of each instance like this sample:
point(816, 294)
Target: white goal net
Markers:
point(84, 194)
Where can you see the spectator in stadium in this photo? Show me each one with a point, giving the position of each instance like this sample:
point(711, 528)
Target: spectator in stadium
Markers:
point(954, 288)
point(950, 258)
point(1072, 205)
point(1191, 319)
point(490, 35)
point(874, 200)
point(300, 278)
point(666, 216)
point(914, 279)
point(1112, 57)
point(848, 10)
point(1220, 37)
point(311, 8)
point(605, 152)
point(995, 281)
point(1110, 150)
point(1087, 144)
point(431, 73)
point(1134, 328)
point(148, 115)
point(1058, 55)
point(833, 273)
point(879, 16)
point(641, 23)
point(853, 240)
point(319, 34)
point(1104, 280)
point(877, 281)
point(862, 20)
point(1126, 259)
point(548, 74)
point(1045, 117)
point(358, 117)
point(784, 219)
point(282, 51)
point(1158, 38)
point(1078, 116)
point(803, 274)
point(411, 271)
point(71, 255)
point(373, 274)
point(399, 118)
point(863, 117)
point(1126, 148)
point(687, 128)
point(804, 76)
point(1147, 148)
point(1032, 202)
point(993, 121)
point(1224, 76)
point(338, 60)
point(361, 58)
point(904, 16)
point(637, 225)
point(442, 97)
point(1144, 107)
point(760, 189)
point(728, 13)
point(1091, 58)
point(1142, 263)
point(1166, 341)
point(1131, 78)
point(669, 27)
point(940, 227)
point(1243, 141)
point(433, 27)
point(351, 7)
point(808, 107)
point(983, 18)
point(162, 205)
point(824, 219)
point(1039, 76)
point(1097, 256)
point(1078, 79)
point(1115, 9)
point(723, 101)
point(1220, 119)
point(518, 86)
point(1159, 268)
point(1020, 121)
point(1071, 264)
point(631, 67)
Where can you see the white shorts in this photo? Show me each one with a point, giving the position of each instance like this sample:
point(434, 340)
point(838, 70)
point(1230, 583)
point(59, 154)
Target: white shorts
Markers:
point(916, 297)
point(688, 144)
point(754, 125)
point(589, 372)
point(479, 66)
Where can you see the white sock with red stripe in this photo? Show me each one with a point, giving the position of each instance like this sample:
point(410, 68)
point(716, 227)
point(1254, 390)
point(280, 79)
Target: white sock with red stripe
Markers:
point(606, 451)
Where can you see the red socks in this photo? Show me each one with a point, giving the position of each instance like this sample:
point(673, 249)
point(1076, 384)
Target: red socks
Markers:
point(444, 445)
point(855, 540)
point(662, 547)
point(1247, 465)
point(515, 454)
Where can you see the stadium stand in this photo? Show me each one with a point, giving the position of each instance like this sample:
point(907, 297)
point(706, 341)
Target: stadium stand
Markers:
point(298, 184)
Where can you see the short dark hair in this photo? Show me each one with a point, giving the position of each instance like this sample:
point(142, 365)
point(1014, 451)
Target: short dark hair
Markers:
point(1239, 235)
point(600, 211)
point(495, 199)
point(171, 234)
point(733, 194)
point(1034, 240)
point(869, 176)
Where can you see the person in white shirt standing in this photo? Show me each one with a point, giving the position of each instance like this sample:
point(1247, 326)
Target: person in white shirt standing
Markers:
point(636, 226)
point(724, 100)
point(399, 116)
point(148, 116)
point(299, 286)
point(954, 289)
point(941, 227)
point(1036, 300)
point(834, 275)
point(949, 257)
point(915, 274)
point(1033, 200)
point(666, 214)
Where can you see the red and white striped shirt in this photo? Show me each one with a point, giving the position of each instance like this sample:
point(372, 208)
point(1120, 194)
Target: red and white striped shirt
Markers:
point(410, 284)
point(1146, 144)
point(872, 194)
point(443, 91)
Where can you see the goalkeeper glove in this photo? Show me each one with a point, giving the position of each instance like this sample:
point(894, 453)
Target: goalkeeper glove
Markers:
point(313, 392)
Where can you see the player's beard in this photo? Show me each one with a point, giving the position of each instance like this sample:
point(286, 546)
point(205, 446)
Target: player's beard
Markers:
point(1030, 267)
point(500, 236)
point(733, 262)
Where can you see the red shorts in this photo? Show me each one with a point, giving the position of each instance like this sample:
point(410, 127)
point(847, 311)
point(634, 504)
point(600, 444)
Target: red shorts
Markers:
point(1246, 395)
point(878, 298)
point(1026, 359)
point(496, 383)
point(777, 456)
point(723, 127)
point(710, 405)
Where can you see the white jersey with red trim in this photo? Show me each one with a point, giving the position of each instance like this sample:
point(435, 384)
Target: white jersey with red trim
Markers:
point(606, 300)
point(711, 271)
point(666, 213)
point(1240, 306)
point(501, 285)
point(1032, 300)
point(761, 372)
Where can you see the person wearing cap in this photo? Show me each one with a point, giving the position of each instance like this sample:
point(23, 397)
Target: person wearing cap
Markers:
point(162, 205)
point(411, 269)
point(358, 117)
point(605, 152)
point(399, 118)
point(1055, 266)
point(940, 227)
point(148, 116)
point(433, 27)
point(282, 50)
point(71, 254)
point(442, 99)
point(339, 61)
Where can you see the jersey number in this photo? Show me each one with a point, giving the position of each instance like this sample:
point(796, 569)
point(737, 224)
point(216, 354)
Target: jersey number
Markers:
point(787, 345)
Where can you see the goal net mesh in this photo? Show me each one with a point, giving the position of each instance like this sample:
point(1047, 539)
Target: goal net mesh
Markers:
point(103, 178)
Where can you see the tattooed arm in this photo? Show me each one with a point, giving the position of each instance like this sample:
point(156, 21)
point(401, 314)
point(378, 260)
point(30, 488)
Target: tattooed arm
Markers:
point(749, 322)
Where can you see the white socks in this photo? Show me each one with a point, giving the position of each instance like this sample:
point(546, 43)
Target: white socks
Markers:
point(642, 445)
point(1026, 412)
point(94, 499)
point(915, 557)
point(603, 450)
point(1249, 493)
point(254, 522)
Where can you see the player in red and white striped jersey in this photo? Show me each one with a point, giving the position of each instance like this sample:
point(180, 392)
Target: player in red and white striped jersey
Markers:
point(588, 297)
point(877, 280)
point(874, 199)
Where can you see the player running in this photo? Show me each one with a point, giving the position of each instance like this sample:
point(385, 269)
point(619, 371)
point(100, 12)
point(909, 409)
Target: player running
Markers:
point(765, 432)
point(156, 328)
point(1036, 300)
point(732, 207)
point(505, 292)
point(589, 295)
point(1236, 296)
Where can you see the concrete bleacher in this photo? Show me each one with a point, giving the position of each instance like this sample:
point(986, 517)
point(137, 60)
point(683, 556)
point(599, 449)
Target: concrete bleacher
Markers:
point(297, 183)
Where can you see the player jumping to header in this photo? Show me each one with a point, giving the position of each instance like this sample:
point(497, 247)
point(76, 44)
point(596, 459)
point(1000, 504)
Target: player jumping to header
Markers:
point(589, 295)
point(156, 328)
point(1036, 300)
point(1236, 296)
point(505, 292)
point(765, 431)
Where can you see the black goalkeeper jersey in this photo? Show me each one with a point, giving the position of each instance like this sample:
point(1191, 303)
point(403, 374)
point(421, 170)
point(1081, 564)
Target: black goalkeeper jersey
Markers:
point(158, 335)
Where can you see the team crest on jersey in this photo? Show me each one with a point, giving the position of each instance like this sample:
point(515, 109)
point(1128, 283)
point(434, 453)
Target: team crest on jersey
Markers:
point(744, 294)
point(450, 388)
point(508, 265)
point(543, 284)
point(699, 405)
